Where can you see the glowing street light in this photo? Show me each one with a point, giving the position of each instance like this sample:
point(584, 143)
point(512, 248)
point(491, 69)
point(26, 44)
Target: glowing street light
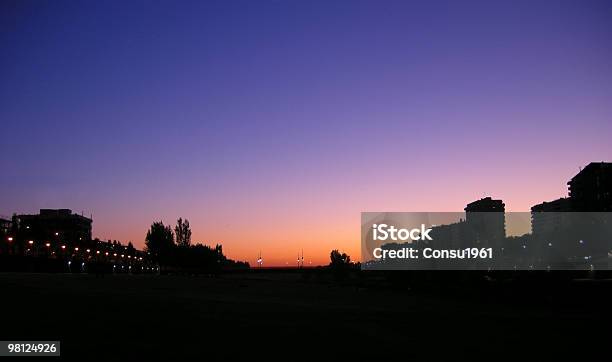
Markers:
point(56, 234)
point(76, 249)
point(63, 246)
point(48, 245)
point(10, 238)
point(31, 242)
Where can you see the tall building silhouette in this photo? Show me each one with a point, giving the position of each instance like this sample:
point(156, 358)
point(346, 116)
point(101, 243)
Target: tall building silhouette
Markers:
point(549, 216)
point(484, 226)
point(486, 218)
point(55, 225)
point(573, 232)
point(591, 188)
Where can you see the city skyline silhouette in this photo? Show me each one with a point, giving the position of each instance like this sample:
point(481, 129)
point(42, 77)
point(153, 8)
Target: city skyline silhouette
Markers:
point(277, 123)
point(63, 232)
point(315, 180)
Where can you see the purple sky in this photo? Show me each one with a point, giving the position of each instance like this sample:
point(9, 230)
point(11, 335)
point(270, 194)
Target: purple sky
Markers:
point(240, 115)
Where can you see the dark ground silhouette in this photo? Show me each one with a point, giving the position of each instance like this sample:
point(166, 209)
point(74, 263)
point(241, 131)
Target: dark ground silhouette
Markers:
point(285, 316)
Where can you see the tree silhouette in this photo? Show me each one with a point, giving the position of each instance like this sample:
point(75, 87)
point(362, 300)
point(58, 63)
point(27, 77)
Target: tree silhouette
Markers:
point(183, 233)
point(159, 241)
point(339, 259)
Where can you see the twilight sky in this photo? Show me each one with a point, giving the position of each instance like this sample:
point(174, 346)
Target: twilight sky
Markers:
point(271, 125)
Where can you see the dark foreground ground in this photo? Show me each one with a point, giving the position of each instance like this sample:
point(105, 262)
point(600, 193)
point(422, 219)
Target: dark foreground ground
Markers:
point(277, 316)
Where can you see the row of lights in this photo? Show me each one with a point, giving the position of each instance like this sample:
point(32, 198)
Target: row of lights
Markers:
point(114, 266)
point(31, 242)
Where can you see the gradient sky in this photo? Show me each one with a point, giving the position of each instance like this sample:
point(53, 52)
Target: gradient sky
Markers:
point(271, 125)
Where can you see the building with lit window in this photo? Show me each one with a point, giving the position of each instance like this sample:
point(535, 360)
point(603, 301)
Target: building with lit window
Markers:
point(55, 225)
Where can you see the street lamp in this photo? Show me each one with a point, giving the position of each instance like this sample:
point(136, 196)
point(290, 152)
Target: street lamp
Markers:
point(9, 238)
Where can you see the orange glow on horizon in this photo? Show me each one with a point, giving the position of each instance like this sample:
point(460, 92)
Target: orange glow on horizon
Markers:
point(280, 242)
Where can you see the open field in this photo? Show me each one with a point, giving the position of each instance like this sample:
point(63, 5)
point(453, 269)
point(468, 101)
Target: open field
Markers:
point(280, 316)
